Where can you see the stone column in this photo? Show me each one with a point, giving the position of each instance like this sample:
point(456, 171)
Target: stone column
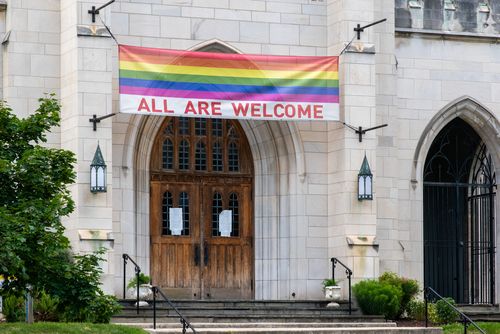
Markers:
point(86, 73)
point(352, 224)
point(392, 232)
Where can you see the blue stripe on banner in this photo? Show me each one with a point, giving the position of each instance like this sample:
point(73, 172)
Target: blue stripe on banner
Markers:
point(228, 88)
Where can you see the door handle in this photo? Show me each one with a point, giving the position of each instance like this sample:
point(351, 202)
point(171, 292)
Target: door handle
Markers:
point(197, 255)
point(205, 255)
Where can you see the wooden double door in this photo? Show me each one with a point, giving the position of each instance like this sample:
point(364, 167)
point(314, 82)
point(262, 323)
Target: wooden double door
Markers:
point(202, 260)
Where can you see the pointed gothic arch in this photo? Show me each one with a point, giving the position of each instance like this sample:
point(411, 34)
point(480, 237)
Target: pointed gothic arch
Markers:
point(279, 165)
point(469, 115)
point(470, 110)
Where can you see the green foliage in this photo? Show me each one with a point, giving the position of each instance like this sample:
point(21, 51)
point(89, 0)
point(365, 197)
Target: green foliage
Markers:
point(33, 198)
point(328, 282)
point(415, 309)
point(80, 293)
point(409, 289)
point(444, 314)
point(45, 307)
point(103, 308)
point(378, 298)
point(68, 328)
point(13, 308)
point(143, 279)
point(458, 328)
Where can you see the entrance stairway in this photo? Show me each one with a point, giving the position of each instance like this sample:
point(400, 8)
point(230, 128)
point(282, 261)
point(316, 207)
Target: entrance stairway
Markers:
point(481, 312)
point(243, 316)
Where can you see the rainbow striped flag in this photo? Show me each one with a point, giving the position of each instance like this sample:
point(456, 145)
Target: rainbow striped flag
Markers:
point(205, 84)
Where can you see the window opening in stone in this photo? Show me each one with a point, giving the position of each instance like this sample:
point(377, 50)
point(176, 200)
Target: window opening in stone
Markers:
point(184, 155)
point(217, 158)
point(233, 157)
point(216, 210)
point(166, 205)
point(168, 154)
point(184, 126)
point(200, 159)
point(200, 126)
point(234, 207)
point(217, 127)
point(184, 205)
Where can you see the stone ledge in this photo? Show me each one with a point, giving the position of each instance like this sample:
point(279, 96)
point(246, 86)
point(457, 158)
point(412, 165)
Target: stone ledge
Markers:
point(103, 235)
point(92, 31)
point(446, 34)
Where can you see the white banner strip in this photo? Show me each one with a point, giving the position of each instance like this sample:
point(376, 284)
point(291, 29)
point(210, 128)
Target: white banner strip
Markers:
point(258, 110)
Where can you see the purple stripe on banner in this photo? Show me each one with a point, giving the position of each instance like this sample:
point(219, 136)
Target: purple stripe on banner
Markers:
point(228, 95)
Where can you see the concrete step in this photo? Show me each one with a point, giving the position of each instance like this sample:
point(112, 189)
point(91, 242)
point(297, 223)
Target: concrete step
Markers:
point(302, 304)
point(248, 319)
point(234, 311)
point(266, 325)
point(316, 330)
point(481, 312)
point(242, 311)
point(296, 327)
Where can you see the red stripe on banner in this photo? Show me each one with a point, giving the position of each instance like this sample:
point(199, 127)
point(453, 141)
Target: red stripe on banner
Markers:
point(325, 65)
point(127, 49)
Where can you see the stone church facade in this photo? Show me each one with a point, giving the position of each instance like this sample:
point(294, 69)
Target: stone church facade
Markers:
point(431, 72)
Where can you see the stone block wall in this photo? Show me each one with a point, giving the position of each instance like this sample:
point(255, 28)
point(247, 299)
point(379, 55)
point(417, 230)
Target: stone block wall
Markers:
point(432, 74)
point(462, 16)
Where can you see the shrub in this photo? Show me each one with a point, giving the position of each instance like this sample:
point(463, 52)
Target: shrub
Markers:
point(444, 313)
point(409, 288)
point(13, 308)
point(102, 309)
point(415, 309)
point(378, 298)
point(79, 292)
point(45, 307)
point(143, 279)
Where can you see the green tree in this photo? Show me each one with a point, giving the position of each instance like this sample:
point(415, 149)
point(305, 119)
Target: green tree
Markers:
point(33, 196)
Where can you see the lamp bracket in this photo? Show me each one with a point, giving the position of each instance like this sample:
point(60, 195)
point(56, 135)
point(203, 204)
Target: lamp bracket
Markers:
point(360, 131)
point(359, 29)
point(96, 119)
point(95, 11)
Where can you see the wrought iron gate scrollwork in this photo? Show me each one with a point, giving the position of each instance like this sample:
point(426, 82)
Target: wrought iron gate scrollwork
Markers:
point(459, 216)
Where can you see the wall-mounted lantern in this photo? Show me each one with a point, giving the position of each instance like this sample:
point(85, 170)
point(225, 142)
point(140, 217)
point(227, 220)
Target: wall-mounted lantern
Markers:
point(365, 181)
point(98, 173)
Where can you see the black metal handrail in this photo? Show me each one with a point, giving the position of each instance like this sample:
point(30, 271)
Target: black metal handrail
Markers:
point(348, 273)
point(137, 272)
point(185, 324)
point(463, 318)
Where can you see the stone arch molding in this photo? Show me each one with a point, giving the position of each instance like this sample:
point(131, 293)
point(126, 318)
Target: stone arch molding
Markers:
point(279, 159)
point(475, 114)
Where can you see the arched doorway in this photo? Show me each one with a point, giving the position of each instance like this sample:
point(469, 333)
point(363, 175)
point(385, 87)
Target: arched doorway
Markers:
point(201, 209)
point(459, 216)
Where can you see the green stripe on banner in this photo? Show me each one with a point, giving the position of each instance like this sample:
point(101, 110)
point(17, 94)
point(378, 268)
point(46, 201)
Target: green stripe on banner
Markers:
point(227, 80)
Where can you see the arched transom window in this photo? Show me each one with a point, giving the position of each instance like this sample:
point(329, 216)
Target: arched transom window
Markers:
point(201, 145)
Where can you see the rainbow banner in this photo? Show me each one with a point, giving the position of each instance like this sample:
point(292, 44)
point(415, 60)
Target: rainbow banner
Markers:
point(205, 84)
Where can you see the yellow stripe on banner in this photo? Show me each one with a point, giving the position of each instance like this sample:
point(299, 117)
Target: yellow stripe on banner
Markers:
point(227, 72)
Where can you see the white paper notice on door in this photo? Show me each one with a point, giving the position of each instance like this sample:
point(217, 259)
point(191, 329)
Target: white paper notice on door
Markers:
point(225, 223)
point(175, 220)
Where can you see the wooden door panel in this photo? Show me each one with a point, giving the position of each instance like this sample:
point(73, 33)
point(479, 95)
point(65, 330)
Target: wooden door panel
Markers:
point(172, 261)
point(228, 273)
point(199, 156)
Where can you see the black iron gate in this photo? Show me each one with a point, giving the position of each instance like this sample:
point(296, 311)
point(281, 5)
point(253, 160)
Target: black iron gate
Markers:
point(459, 217)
